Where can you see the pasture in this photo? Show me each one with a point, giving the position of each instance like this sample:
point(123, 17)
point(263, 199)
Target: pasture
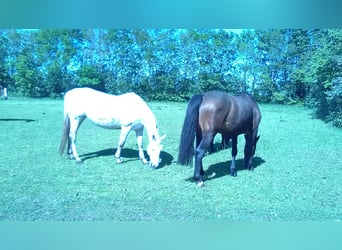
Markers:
point(298, 172)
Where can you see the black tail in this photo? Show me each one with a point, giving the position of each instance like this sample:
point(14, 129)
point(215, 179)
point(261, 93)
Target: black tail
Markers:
point(186, 146)
point(65, 134)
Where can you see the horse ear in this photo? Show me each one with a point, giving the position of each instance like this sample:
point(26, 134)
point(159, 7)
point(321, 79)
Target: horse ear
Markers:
point(162, 137)
point(257, 139)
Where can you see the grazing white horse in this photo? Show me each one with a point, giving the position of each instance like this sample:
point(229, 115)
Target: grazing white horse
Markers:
point(126, 112)
point(3, 91)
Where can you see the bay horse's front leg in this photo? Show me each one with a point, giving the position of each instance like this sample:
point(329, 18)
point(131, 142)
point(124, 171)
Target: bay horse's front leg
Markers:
point(233, 171)
point(248, 151)
point(123, 136)
point(139, 134)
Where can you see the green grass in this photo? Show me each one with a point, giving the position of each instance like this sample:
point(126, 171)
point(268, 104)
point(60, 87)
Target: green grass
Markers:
point(298, 174)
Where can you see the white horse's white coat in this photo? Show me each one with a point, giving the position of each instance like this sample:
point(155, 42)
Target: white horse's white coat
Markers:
point(126, 112)
point(3, 91)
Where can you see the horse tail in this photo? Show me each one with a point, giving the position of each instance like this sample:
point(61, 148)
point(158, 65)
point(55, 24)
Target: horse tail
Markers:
point(186, 146)
point(65, 133)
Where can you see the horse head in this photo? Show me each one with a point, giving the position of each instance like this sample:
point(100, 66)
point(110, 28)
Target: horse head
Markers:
point(154, 148)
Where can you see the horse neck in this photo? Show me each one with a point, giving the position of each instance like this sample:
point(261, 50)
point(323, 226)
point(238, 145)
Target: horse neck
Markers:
point(150, 124)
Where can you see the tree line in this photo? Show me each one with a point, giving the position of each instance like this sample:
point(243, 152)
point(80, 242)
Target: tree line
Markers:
point(278, 65)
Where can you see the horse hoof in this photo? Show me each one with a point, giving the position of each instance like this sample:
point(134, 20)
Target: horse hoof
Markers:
point(79, 162)
point(212, 175)
point(250, 167)
point(119, 160)
point(153, 167)
point(233, 174)
point(200, 184)
point(144, 161)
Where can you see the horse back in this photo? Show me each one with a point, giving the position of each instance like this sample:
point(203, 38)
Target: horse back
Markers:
point(104, 109)
point(80, 100)
point(227, 114)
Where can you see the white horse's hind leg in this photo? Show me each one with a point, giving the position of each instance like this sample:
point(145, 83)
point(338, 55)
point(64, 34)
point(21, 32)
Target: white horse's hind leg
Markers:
point(75, 123)
point(123, 136)
point(139, 134)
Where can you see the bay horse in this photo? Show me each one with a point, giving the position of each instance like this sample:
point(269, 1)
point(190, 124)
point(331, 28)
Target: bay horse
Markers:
point(3, 91)
point(218, 112)
point(126, 112)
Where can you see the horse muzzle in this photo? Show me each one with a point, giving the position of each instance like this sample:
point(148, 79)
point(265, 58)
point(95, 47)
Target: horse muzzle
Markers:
point(154, 166)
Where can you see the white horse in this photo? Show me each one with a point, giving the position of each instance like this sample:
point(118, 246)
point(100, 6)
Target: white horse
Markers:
point(126, 112)
point(3, 91)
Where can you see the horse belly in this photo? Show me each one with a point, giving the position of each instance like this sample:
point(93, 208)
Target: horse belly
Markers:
point(105, 121)
point(137, 125)
point(234, 128)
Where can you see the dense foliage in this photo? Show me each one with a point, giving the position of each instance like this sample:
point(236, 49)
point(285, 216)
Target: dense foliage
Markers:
point(282, 66)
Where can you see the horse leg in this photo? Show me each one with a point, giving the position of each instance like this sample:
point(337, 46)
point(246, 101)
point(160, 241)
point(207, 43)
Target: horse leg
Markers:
point(248, 151)
point(211, 146)
point(200, 151)
point(75, 123)
point(225, 141)
point(233, 171)
point(123, 136)
point(139, 134)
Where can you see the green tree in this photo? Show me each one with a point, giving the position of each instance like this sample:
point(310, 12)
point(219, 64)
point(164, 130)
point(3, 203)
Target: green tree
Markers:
point(326, 76)
point(3, 55)
point(90, 76)
point(56, 52)
point(247, 66)
point(26, 74)
point(299, 53)
point(279, 65)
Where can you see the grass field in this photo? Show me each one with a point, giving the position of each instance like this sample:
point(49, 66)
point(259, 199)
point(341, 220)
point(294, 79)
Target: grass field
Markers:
point(298, 174)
